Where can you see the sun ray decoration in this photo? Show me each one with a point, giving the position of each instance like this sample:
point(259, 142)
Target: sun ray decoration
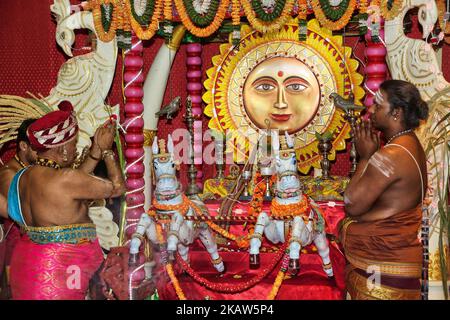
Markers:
point(322, 52)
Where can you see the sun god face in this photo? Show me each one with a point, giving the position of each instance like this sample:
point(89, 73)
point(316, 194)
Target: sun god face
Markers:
point(284, 91)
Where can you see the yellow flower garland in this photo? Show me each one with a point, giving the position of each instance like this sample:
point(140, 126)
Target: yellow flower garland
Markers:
point(175, 283)
point(276, 285)
point(363, 6)
point(167, 9)
point(302, 9)
point(154, 25)
point(235, 12)
point(207, 31)
point(94, 5)
point(169, 266)
point(330, 24)
point(395, 10)
point(264, 27)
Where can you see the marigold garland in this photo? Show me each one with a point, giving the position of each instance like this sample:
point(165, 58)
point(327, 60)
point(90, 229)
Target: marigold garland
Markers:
point(168, 10)
point(241, 241)
point(330, 24)
point(154, 25)
point(274, 25)
point(295, 209)
point(393, 12)
point(363, 4)
point(302, 9)
point(265, 16)
point(280, 276)
point(200, 20)
point(231, 288)
point(174, 281)
point(334, 12)
point(206, 31)
point(235, 12)
point(95, 6)
point(107, 17)
point(148, 12)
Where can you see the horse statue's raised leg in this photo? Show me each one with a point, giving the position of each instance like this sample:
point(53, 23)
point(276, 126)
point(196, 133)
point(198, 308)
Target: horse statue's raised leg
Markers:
point(184, 252)
point(208, 241)
point(173, 235)
point(323, 249)
point(256, 239)
point(146, 225)
point(299, 236)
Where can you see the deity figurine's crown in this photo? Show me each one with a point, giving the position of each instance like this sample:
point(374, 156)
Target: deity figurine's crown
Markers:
point(286, 147)
point(162, 154)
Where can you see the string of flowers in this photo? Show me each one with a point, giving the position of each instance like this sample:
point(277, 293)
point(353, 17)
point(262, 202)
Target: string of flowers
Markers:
point(363, 4)
point(168, 10)
point(273, 25)
point(236, 21)
point(330, 24)
point(96, 7)
point(280, 276)
point(148, 11)
point(241, 241)
point(363, 16)
point(201, 20)
point(107, 11)
point(206, 31)
point(268, 16)
point(395, 7)
point(169, 266)
point(334, 12)
point(302, 23)
point(232, 288)
point(145, 34)
point(174, 281)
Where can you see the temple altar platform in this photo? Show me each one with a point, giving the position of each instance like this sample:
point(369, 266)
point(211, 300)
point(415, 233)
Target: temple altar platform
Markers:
point(311, 283)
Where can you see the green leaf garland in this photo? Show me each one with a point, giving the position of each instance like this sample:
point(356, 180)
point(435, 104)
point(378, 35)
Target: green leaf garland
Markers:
point(198, 19)
point(268, 17)
point(106, 20)
point(334, 12)
point(144, 19)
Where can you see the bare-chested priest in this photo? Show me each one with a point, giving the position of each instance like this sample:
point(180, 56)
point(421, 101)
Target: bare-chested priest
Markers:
point(383, 201)
point(48, 200)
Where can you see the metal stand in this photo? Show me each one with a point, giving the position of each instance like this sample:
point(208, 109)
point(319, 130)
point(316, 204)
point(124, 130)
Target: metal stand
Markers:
point(192, 188)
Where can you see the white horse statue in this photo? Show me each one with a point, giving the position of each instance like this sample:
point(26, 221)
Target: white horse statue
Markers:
point(170, 201)
point(292, 209)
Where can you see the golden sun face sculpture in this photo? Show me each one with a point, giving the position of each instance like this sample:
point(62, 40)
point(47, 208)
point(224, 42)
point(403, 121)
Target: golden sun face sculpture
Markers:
point(275, 81)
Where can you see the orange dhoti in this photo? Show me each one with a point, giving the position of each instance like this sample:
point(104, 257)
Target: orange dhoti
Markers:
point(385, 257)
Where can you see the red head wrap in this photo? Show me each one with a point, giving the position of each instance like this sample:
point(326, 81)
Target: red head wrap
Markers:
point(54, 129)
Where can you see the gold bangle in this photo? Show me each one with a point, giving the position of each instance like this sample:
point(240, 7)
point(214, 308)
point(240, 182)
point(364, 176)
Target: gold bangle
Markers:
point(217, 261)
point(327, 266)
point(295, 239)
point(138, 235)
point(107, 153)
point(257, 236)
point(173, 232)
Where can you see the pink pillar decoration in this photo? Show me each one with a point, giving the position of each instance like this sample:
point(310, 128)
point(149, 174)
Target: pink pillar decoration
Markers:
point(194, 90)
point(376, 68)
point(134, 137)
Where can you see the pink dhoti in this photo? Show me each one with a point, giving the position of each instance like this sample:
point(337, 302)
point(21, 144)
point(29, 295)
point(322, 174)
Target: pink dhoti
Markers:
point(49, 270)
